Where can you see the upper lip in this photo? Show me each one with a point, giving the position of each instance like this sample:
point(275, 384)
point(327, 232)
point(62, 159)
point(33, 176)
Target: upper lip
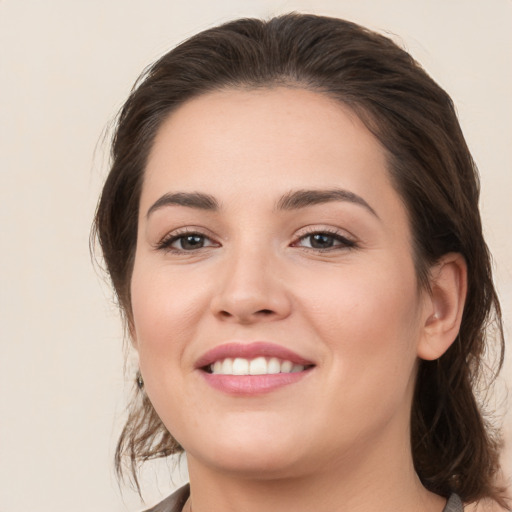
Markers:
point(250, 351)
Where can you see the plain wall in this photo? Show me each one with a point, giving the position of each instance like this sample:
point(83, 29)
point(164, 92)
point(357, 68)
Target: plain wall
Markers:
point(65, 69)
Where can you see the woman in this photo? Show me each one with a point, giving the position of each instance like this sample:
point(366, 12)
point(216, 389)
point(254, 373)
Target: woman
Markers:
point(291, 226)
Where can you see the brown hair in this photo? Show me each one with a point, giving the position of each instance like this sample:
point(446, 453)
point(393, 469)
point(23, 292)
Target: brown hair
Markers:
point(453, 447)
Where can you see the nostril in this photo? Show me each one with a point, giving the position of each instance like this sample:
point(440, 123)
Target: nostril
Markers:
point(259, 313)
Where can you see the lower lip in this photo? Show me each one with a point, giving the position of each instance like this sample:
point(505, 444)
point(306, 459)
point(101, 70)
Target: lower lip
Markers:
point(248, 385)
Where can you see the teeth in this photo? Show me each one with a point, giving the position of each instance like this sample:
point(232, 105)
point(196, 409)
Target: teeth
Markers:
point(240, 366)
point(286, 366)
point(274, 366)
point(257, 366)
point(227, 367)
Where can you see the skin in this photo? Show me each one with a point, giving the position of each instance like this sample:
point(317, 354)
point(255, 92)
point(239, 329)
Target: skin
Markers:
point(340, 434)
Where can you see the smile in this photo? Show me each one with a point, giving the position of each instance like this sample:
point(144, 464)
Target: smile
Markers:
point(252, 368)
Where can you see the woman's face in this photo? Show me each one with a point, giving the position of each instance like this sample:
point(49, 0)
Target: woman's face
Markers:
point(270, 236)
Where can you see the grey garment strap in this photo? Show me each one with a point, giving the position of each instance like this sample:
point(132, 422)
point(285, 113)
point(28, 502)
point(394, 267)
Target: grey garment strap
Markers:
point(454, 504)
point(174, 502)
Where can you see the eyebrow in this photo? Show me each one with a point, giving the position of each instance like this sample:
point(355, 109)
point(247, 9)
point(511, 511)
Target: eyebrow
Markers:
point(189, 199)
point(295, 200)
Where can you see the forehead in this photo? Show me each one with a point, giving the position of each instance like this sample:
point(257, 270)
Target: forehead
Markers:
point(264, 142)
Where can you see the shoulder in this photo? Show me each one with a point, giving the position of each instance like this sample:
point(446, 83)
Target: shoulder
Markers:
point(174, 502)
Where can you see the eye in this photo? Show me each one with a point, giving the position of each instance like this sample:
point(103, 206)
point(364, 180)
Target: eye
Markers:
point(324, 240)
point(186, 242)
point(190, 242)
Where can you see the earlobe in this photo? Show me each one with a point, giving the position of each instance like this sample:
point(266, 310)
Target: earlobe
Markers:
point(445, 305)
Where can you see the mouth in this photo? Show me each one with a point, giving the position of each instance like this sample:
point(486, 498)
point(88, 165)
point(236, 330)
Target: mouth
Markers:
point(254, 368)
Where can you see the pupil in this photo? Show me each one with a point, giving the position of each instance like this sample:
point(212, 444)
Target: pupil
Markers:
point(192, 242)
point(320, 241)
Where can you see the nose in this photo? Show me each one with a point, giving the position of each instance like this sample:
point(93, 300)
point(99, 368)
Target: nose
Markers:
point(250, 289)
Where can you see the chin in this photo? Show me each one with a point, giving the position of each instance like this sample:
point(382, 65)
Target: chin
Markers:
point(257, 465)
point(259, 454)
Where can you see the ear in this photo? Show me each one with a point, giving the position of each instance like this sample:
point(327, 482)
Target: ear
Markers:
point(444, 306)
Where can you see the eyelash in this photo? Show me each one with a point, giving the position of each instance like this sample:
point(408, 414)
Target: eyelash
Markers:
point(344, 243)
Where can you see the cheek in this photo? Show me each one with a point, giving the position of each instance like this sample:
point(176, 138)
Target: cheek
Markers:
point(161, 315)
point(164, 303)
point(370, 323)
point(158, 318)
point(361, 300)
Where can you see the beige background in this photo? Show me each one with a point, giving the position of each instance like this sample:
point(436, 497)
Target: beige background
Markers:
point(66, 66)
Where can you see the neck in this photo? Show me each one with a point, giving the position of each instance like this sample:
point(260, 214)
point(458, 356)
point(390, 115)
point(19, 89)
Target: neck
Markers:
point(383, 480)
